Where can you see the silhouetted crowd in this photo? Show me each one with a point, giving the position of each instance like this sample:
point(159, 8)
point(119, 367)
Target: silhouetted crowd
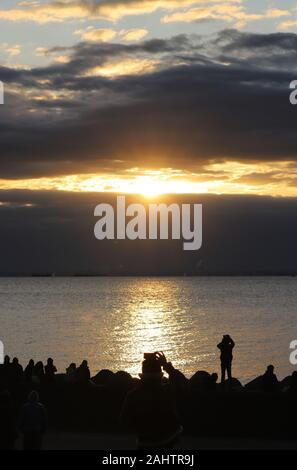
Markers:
point(148, 408)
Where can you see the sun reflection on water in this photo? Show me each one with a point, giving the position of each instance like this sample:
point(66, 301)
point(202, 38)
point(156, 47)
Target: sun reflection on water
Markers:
point(151, 324)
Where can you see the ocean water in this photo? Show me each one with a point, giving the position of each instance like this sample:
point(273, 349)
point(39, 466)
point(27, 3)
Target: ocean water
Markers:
point(112, 321)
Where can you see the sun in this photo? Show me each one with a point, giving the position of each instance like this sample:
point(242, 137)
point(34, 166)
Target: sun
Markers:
point(150, 192)
point(151, 188)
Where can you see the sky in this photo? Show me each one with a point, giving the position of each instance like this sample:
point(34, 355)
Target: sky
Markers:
point(149, 96)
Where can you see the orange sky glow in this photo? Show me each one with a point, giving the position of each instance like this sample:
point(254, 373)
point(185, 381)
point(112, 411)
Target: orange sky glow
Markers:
point(267, 179)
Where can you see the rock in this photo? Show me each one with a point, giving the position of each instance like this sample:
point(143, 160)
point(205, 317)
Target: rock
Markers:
point(231, 385)
point(202, 381)
point(255, 385)
point(103, 377)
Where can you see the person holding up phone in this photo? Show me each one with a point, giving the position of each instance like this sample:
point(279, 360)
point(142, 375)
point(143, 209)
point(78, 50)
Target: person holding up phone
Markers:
point(149, 410)
point(226, 347)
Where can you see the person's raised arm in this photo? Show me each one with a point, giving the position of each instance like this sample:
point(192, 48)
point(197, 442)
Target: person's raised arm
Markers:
point(176, 377)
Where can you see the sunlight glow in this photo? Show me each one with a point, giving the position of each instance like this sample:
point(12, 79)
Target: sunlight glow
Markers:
point(267, 179)
point(113, 69)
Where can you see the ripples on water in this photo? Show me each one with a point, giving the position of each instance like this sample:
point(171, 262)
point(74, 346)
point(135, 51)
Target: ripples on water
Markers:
point(112, 321)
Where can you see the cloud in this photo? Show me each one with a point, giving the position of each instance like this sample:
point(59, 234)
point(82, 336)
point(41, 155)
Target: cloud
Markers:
point(124, 67)
point(131, 35)
point(285, 25)
point(112, 10)
point(96, 34)
point(45, 13)
point(14, 50)
point(263, 50)
point(57, 231)
point(232, 12)
point(277, 13)
point(269, 178)
point(92, 34)
point(11, 50)
point(226, 11)
point(220, 99)
point(54, 55)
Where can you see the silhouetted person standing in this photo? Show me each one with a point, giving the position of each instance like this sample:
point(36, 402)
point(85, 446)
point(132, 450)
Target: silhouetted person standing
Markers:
point(29, 370)
point(226, 347)
point(149, 410)
point(71, 373)
point(83, 373)
point(33, 422)
point(16, 371)
point(270, 382)
point(7, 362)
point(50, 370)
point(39, 371)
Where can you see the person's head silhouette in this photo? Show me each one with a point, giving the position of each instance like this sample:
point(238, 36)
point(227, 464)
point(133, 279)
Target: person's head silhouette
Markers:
point(151, 369)
point(6, 360)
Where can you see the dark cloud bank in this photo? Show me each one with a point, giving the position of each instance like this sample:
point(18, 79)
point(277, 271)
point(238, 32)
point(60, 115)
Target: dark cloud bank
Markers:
point(194, 108)
point(241, 235)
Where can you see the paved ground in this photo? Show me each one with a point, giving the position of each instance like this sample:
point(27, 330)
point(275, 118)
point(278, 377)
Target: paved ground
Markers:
point(72, 441)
